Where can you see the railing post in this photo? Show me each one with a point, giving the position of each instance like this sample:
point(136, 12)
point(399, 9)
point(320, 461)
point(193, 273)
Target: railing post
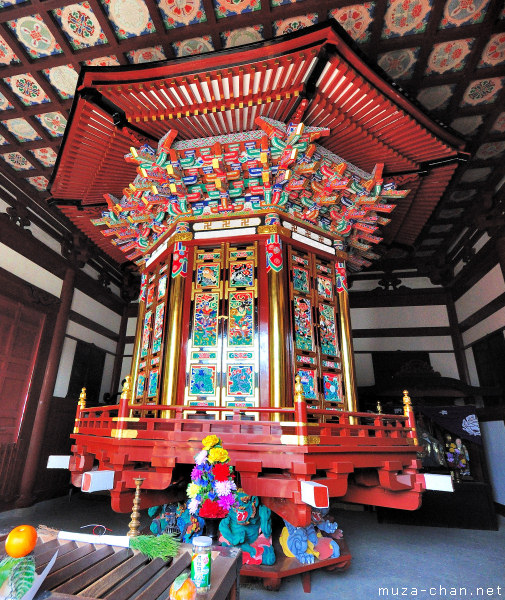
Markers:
point(300, 411)
point(124, 411)
point(409, 413)
point(81, 406)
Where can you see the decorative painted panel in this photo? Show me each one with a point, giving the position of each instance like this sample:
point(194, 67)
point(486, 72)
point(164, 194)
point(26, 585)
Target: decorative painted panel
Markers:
point(327, 330)
point(241, 319)
point(202, 380)
point(17, 161)
point(63, 79)
point(482, 91)
point(207, 275)
point(47, 156)
point(193, 46)
point(301, 280)
point(399, 64)
point(35, 36)
point(332, 387)
point(436, 97)
point(242, 274)
point(177, 13)
point(4, 103)
point(141, 385)
point(146, 333)
point(152, 386)
point(162, 286)
point(7, 55)
point(240, 380)
point(239, 37)
point(205, 319)
point(145, 55)
point(355, 19)
point(80, 25)
point(406, 17)
point(229, 8)
point(458, 12)
point(103, 61)
point(40, 182)
point(494, 52)
point(309, 382)
point(21, 130)
point(303, 323)
point(129, 18)
point(449, 56)
point(325, 287)
point(283, 26)
point(54, 122)
point(27, 89)
point(158, 327)
point(150, 294)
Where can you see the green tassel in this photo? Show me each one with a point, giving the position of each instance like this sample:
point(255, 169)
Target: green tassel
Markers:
point(16, 576)
point(156, 546)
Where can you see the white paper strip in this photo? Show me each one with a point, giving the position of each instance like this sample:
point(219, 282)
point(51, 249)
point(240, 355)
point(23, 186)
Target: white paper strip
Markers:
point(441, 483)
point(109, 540)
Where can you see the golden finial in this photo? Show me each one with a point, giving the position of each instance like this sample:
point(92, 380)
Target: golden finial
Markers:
point(379, 407)
point(299, 397)
point(134, 524)
point(82, 399)
point(126, 392)
point(407, 403)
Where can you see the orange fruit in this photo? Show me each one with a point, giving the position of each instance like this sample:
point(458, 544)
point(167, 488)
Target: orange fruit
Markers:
point(21, 541)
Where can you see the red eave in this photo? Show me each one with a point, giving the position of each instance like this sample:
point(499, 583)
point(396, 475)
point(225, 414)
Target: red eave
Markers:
point(223, 92)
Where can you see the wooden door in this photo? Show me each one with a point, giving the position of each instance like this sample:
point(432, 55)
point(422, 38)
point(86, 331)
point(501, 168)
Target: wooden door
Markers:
point(20, 333)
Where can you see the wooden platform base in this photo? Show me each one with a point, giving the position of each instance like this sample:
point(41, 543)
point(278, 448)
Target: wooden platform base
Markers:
point(285, 567)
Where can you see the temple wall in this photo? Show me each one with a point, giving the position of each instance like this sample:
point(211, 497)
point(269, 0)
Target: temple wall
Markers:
point(32, 272)
point(395, 320)
point(481, 314)
point(90, 320)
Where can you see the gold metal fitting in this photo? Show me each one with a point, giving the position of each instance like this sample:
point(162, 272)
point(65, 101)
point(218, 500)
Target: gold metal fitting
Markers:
point(82, 399)
point(407, 403)
point(299, 397)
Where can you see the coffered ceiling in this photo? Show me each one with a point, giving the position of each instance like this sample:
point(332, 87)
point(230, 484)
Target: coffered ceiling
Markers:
point(447, 55)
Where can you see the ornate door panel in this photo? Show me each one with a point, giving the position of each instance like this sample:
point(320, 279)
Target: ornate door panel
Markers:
point(315, 330)
point(223, 348)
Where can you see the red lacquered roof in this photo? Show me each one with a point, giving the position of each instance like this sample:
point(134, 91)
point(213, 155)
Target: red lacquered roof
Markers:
point(370, 120)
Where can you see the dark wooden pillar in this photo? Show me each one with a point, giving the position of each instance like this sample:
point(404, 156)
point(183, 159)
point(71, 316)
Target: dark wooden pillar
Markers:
point(457, 340)
point(46, 392)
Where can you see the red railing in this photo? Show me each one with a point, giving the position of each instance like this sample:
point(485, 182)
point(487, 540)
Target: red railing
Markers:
point(299, 425)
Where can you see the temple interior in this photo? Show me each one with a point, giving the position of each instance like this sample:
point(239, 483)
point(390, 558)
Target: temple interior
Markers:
point(266, 241)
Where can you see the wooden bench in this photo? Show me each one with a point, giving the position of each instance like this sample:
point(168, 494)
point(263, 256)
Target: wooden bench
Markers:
point(96, 571)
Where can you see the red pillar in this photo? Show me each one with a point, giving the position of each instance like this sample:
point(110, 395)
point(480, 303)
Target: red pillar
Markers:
point(46, 392)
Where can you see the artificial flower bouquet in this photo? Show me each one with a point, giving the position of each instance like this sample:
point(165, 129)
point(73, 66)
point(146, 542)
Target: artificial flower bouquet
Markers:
point(456, 458)
point(211, 491)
